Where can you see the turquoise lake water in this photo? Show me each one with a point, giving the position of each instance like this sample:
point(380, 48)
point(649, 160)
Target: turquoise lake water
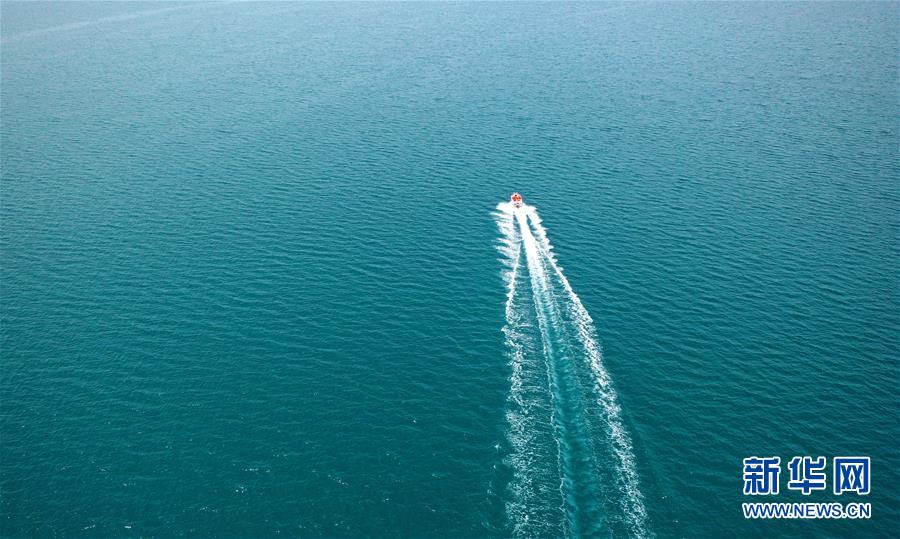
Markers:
point(254, 281)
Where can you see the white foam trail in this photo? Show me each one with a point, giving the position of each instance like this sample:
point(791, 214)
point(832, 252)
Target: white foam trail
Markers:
point(521, 422)
point(541, 289)
point(633, 501)
point(518, 437)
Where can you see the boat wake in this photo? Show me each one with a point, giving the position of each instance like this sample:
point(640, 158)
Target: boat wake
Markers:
point(571, 459)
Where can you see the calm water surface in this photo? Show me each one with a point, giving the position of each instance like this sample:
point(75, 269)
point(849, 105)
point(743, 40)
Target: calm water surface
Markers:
point(250, 283)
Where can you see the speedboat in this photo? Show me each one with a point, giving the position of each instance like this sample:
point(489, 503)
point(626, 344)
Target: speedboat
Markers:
point(516, 200)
